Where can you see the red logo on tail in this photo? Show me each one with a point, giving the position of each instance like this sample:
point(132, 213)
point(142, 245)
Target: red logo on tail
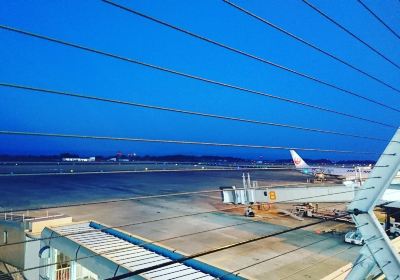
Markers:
point(297, 160)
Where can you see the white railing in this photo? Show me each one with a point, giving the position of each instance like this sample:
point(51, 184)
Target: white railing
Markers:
point(63, 274)
point(25, 217)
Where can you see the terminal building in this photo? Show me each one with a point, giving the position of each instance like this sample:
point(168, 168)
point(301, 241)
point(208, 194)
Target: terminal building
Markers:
point(64, 250)
point(24, 230)
point(77, 159)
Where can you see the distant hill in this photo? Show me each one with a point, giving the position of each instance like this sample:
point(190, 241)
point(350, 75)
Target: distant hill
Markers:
point(174, 158)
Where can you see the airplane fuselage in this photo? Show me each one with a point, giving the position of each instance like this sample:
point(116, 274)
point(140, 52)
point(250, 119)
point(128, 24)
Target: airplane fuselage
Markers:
point(340, 172)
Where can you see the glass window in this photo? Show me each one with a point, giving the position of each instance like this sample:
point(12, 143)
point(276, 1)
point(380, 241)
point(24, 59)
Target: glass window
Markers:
point(63, 267)
point(63, 261)
point(82, 273)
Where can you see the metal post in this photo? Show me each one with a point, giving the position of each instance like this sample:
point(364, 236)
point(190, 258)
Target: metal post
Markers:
point(73, 270)
point(52, 259)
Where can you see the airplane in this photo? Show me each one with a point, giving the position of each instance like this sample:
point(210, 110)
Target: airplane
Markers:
point(321, 172)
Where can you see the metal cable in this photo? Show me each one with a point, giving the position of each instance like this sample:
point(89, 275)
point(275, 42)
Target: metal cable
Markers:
point(181, 142)
point(379, 19)
point(186, 112)
point(123, 199)
point(271, 258)
point(309, 44)
point(184, 143)
point(378, 272)
point(167, 218)
point(224, 46)
point(122, 226)
point(119, 250)
point(317, 262)
point(350, 268)
point(162, 265)
point(178, 236)
point(128, 248)
point(123, 249)
point(305, 235)
point(359, 262)
point(199, 78)
point(219, 249)
point(109, 201)
point(350, 33)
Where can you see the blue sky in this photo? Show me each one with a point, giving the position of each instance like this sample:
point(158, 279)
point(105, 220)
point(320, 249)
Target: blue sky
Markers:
point(38, 63)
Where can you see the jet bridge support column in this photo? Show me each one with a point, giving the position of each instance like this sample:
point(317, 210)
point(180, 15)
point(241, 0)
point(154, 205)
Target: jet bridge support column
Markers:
point(377, 245)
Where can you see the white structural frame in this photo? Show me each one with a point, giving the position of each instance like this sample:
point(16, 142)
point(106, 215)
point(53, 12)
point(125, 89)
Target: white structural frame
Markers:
point(377, 250)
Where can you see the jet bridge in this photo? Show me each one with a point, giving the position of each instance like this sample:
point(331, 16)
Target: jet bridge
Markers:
point(281, 194)
point(251, 193)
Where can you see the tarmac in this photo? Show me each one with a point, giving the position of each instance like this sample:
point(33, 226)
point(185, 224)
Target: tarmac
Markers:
point(279, 257)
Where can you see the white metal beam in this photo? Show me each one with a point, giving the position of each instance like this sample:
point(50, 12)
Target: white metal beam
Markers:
point(377, 244)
